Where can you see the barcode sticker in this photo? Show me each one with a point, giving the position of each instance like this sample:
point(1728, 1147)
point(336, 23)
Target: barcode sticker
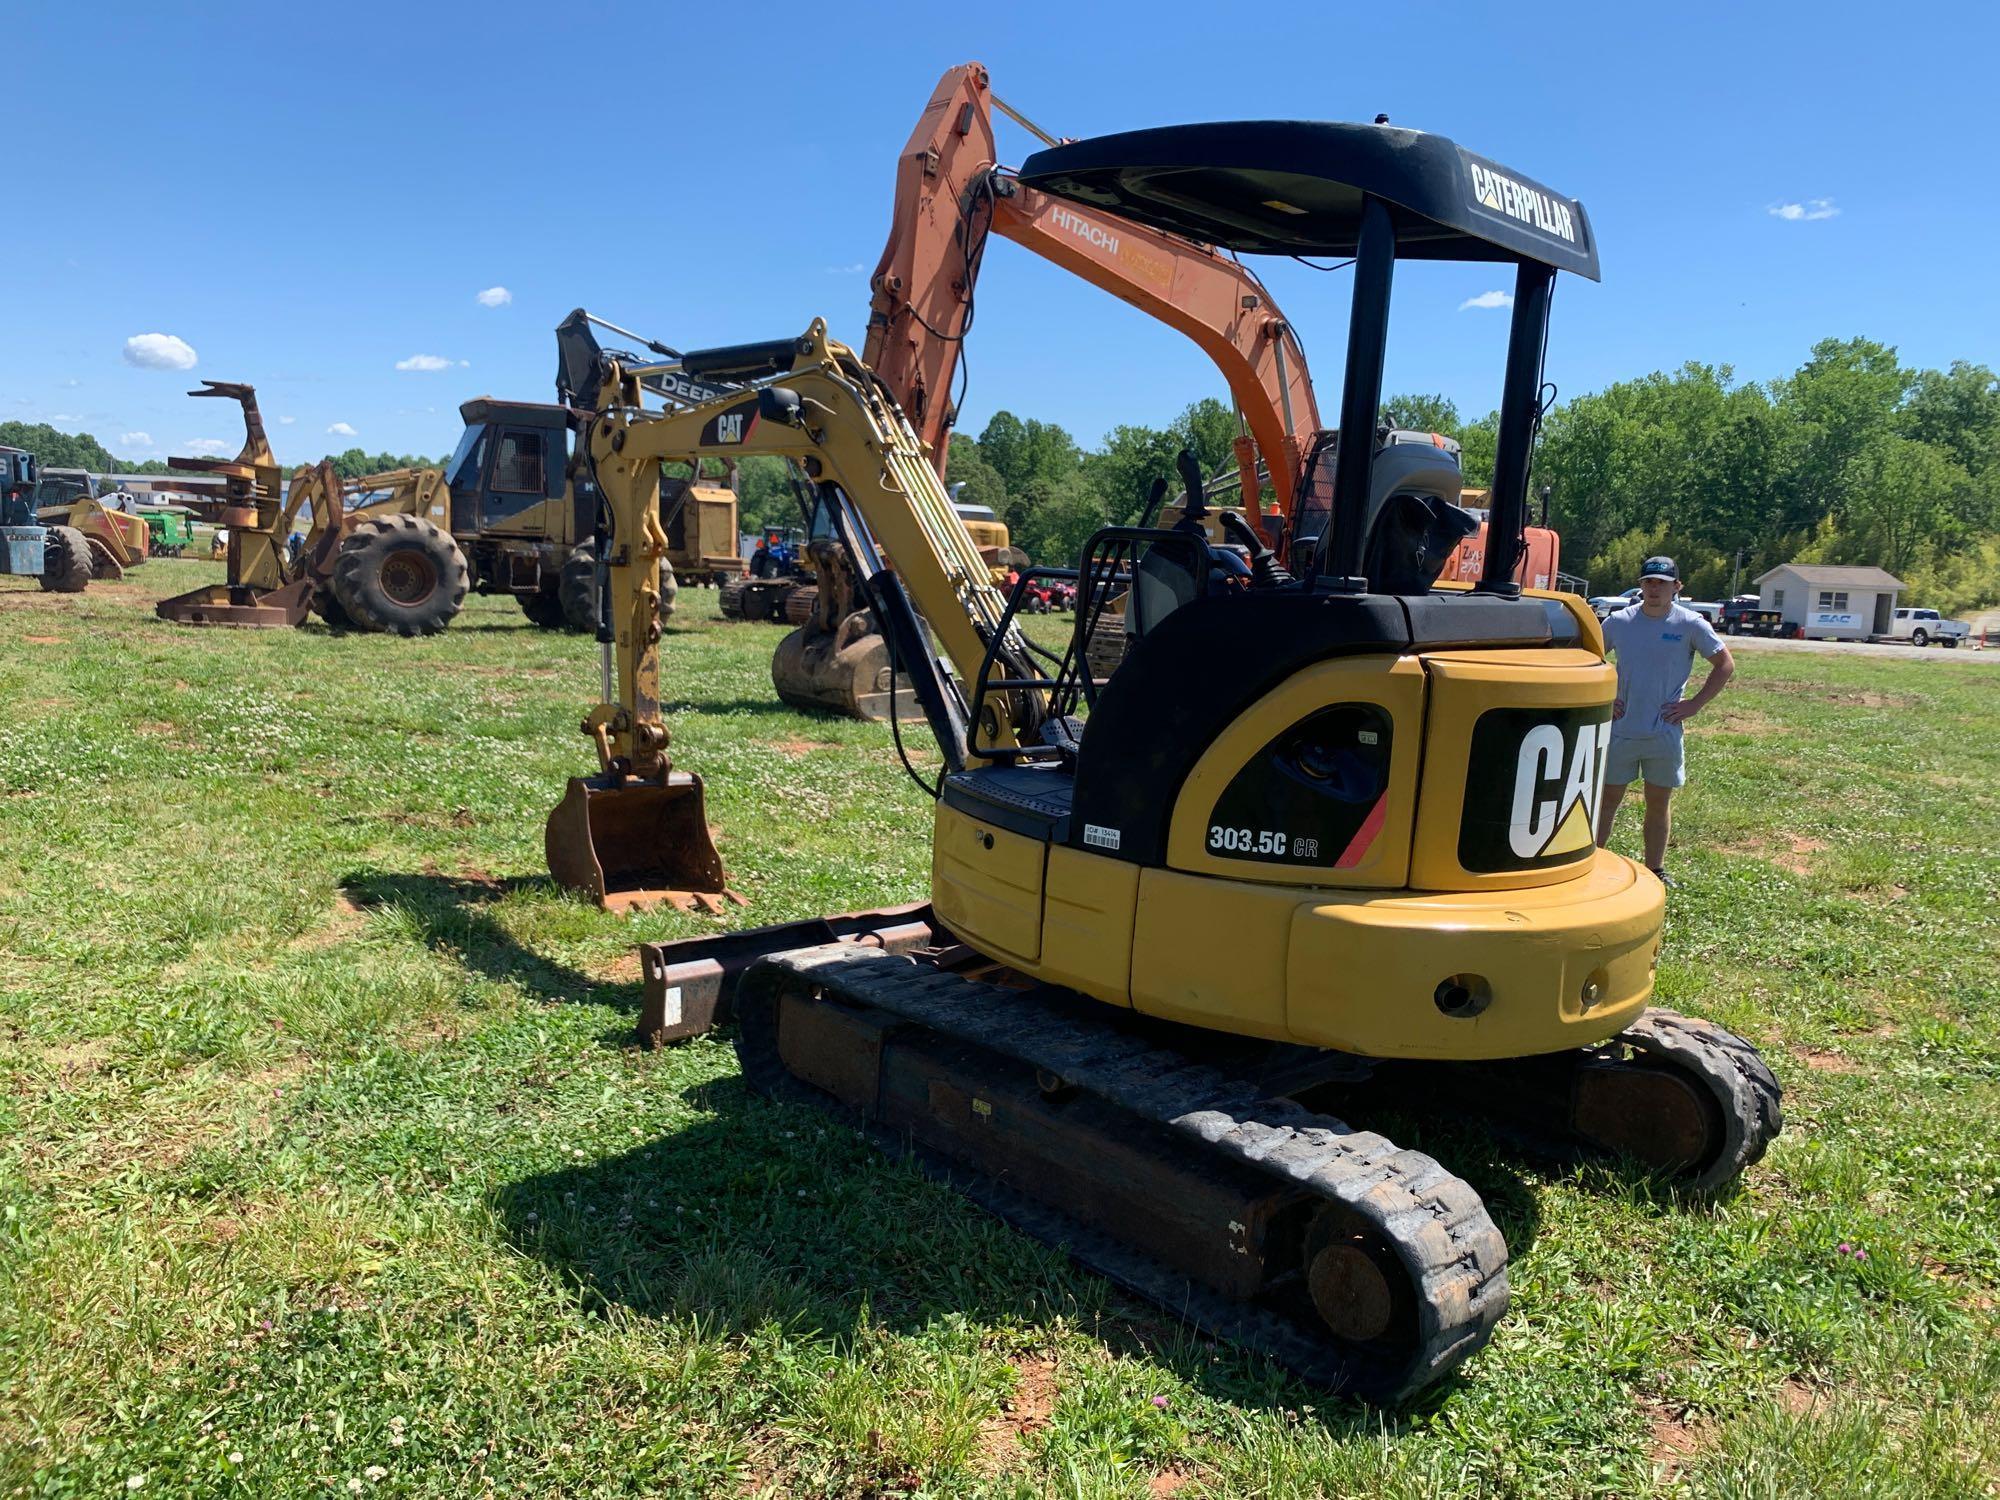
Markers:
point(1100, 838)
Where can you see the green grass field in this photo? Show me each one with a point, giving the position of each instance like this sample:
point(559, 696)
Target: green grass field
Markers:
point(327, 1165)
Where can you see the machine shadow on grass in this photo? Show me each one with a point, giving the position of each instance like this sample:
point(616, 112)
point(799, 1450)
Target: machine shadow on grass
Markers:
point(761, 1217)
point(759, 1220)
point(450, 915)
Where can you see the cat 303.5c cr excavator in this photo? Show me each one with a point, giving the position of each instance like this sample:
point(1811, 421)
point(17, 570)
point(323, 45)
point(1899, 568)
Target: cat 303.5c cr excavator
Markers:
point(1317, 834)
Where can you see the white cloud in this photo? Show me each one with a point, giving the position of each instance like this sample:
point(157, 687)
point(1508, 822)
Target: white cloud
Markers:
point(495, 296)
point(65, 416)
point(135, 440)
point(286, 421)
point(1812, 208)
point(854, 270)
point(72, 383)
point(158, 351)
point(424, 362)
point(1488, 299)
point(341, 429)
point(205, 445)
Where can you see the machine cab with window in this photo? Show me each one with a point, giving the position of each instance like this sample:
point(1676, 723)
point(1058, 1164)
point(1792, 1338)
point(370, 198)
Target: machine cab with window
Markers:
point(509, 463)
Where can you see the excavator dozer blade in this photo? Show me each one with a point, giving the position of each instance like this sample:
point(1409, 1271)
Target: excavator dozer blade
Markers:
point(636, 844)
point(844, 672)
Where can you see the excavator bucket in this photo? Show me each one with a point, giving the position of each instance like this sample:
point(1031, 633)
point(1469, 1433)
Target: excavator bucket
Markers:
point(634, 844)
point(836, 661)
point(843, 671)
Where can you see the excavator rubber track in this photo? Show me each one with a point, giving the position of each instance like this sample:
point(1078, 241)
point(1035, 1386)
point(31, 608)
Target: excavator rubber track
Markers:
point(1686, 1099)
point(1356, 1264)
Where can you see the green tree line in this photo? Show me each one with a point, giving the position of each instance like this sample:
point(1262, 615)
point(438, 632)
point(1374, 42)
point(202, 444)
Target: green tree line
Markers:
point(63, 450)
point(1853, 458)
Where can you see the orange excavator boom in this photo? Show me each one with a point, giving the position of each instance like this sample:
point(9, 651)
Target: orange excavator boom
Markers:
point(951, 193)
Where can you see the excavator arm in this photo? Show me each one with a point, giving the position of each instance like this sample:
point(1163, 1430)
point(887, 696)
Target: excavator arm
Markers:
point(951, 193)
point(633, 834)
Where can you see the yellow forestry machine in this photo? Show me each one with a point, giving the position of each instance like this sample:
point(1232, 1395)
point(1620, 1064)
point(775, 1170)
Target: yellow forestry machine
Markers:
point(398, 551)
point(1323, 838)
point(267, 585)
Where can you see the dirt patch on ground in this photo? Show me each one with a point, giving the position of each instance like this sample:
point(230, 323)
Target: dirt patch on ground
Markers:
point(46, 640)
point(1826, 1062)
point(1861, 698)
point(1747, 721)
point(345, 921)
point(795, 749)
point(1171, 1482)
point(1795, 1398)
point(624, 969)
point(1674, 1443)
point(1790, 852)
point(1024, 1411)
point(1796, 858)
point(72, 1061)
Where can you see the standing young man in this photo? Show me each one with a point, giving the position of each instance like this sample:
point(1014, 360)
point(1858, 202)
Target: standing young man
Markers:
point(1655, 641)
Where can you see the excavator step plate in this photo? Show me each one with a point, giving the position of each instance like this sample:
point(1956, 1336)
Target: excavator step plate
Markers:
point(629, 845)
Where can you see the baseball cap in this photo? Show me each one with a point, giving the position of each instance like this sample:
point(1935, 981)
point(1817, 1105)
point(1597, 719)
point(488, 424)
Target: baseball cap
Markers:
point(1659, 567)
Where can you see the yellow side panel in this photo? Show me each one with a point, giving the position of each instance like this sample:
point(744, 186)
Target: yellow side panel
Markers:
point(1553, 967)
point(986, 884)
point(1464, 686)
point(1394, 683)
point(1213, 953)
point(1087, 924)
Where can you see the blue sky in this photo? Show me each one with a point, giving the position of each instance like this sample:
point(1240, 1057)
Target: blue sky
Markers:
point(308, 196)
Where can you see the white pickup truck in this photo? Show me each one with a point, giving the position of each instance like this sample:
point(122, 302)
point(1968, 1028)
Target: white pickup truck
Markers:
point(1922, 626)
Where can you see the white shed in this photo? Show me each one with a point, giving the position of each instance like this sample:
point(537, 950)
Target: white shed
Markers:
point(1835, 604)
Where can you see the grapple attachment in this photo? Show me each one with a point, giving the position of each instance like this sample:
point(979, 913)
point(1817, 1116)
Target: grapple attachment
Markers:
point(629, 844)
point(239, 604)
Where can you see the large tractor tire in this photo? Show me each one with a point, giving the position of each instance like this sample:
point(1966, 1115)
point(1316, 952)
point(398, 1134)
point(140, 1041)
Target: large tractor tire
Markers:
point(331, 610)
point(400, 575)
point(577, 588)
point(103, 561)
point(66, 564)
point(544, 608)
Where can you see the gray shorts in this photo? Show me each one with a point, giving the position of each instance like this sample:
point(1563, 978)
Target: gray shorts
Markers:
point(1656, 759)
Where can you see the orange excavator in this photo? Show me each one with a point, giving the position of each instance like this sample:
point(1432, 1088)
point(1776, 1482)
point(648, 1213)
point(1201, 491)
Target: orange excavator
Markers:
point(952, 194)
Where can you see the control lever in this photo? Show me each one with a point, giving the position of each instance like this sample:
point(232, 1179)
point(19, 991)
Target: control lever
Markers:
point(1153, 498)
point(1197, 487)
point(1266, 572)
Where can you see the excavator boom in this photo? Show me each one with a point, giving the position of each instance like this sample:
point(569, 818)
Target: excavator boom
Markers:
point(951, 193)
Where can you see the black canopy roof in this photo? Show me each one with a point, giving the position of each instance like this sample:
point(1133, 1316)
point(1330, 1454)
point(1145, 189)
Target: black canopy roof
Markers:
point(1295, 187)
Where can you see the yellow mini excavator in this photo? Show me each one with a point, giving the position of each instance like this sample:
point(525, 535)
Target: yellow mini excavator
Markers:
point(1318, 833)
